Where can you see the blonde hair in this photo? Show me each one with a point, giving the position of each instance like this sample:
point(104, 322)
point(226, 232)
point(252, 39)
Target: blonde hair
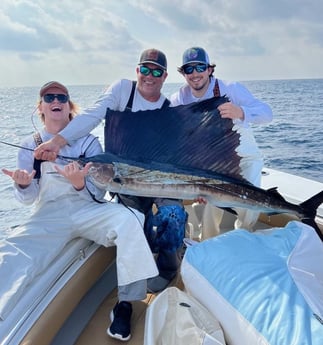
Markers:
point(74, 110)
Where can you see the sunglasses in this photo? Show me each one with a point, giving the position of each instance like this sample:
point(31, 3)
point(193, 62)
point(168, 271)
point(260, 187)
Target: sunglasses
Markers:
point(155, 72)
point(49, 98)
point(199, 68)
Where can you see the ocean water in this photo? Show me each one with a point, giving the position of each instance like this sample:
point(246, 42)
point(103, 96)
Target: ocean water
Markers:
point(292, 142)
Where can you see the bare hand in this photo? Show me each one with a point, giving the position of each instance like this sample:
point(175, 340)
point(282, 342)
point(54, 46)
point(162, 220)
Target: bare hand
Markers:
point(45, 154)
point(74, 173)
point(49, 150)
point(230, 111)
point(21, 177)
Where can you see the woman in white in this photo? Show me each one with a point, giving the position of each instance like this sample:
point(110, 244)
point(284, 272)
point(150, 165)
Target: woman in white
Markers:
point(67, 206)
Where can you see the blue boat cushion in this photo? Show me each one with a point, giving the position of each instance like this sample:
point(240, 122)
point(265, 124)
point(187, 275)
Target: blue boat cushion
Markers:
point(264, 288)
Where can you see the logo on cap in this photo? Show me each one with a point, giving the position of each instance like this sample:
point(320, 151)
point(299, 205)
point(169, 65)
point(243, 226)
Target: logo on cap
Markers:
point(152, 54)
point(192, 54)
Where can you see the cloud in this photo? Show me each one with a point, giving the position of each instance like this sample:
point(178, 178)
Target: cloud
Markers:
point(95, 42)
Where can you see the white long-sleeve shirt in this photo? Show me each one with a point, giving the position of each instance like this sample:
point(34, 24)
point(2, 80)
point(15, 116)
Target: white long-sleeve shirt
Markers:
point(87, 145)
point(255, 111)
point(115, 98)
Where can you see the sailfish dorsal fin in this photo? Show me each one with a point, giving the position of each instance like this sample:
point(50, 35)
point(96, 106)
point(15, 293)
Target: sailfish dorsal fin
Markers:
point(187, 136)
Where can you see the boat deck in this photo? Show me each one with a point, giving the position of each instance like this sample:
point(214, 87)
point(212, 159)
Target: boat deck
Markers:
point(95, 331)
point(82, 318)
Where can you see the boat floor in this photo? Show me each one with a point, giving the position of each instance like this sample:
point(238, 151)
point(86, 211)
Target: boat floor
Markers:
point(95, 331)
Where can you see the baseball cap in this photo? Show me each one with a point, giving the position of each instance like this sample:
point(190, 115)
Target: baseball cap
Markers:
point(51, 84)
point(195, 55)
point(153, 56)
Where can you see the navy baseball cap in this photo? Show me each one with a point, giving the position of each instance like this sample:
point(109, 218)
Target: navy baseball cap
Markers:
point(195, 55)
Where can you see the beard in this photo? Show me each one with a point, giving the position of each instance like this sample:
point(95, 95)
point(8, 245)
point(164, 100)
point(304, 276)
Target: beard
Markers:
point(200, 85)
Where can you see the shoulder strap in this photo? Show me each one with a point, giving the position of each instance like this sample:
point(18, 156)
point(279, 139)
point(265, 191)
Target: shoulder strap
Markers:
point(216, 89)
point(86, 145)
point(130, 100)
point(166, 103)
point(38, 140)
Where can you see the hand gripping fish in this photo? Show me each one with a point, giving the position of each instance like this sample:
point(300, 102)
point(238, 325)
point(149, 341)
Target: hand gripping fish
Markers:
point(183, 152)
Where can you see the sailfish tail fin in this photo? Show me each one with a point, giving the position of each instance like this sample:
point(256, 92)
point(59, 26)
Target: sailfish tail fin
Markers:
point(310, 207)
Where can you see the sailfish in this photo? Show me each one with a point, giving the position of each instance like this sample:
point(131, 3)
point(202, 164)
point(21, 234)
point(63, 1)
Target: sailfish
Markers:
point(185, 152)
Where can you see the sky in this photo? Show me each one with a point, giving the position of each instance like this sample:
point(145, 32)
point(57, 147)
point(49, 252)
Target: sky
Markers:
point(95, 42)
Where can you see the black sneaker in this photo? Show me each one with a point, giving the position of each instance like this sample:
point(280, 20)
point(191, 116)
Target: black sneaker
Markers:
point(120, 317)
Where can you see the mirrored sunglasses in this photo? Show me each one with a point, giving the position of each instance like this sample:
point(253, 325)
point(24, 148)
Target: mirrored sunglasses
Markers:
point(49, 98)
point(155, 72)
point(199, 68)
